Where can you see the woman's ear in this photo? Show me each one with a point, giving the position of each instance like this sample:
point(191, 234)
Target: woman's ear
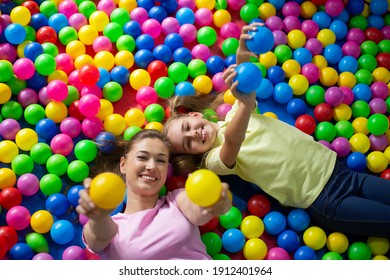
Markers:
point(122, 165)
point(196, 114)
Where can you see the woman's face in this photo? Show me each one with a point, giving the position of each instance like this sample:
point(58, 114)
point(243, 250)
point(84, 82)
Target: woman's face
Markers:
point(192, 134)
point(145, 166)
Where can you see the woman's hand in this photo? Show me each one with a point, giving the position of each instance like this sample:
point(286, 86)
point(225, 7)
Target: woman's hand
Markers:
point(222, 206)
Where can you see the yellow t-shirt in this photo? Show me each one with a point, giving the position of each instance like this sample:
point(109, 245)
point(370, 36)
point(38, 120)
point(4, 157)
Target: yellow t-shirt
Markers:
point(283, 161)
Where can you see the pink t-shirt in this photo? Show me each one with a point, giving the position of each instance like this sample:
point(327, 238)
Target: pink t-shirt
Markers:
point(161, 233)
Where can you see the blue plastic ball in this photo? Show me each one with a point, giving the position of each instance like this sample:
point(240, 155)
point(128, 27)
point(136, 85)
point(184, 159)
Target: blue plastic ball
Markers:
point(355, 7)
point(348, 64)
point(174, 41)
point(357, 161)
point(274, 222)
point(276, 74)
point(143, 58)
point(185, 89)
point(146, 4)
point(46, 129)
point(38, 20)
point(298, 220)
point(333, 53)
point(170, 6)
point(378, 7)
point(343, 16)
point(132, 28)
point(283, 93)
point(375, 21)
point(322, 19)
point(15, 33)
point(36, 82)
point(215, 64)
point(302, 56)
point(120, 74)
point(265, 89)
point(249, 77)
point(288, 240)
point(62, 232)
point(21, 251)
point(104, 77)
point(296, 107)
point(185, 15)
point(362, 92)
point(229, 60)
point(105, 142)
point(233, 240)
point(73, 194)
point(162, 52)
point(33, 50)
point(183, 55)
point(339, 28)
point(58, 21)
point(57, 204)
point(305, 253)
point(144, 42)
point(262, 40)
point(158, 13)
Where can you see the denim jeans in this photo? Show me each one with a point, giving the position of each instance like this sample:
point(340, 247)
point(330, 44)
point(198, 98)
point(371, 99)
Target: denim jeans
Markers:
point(354, 203)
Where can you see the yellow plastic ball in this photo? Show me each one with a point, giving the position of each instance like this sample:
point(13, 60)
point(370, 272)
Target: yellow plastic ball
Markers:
point(220, 17)
point(135, 117)
point(99, 20)
point(387, 153)
point(21, 15)
point(139, 78)
point(75, 48)
point(320, 61)
point(359, 142)
point(124, 58)
point(381, 74)
point(203, 187)
point(56, 111)
point(296, 39)
point(82, 60)
point(7, 178)
point(267, 10)
point(255, 249)
point(377, 161)
point(88, 34)
point(209, 4)
point(5, 93)
point(26, 138)
point(337, 242)
point(41, 221)
point(104, 59)
point(326, 37)
point(203, 84)
point(308, 9)
point(379, 258)
point(378, 245)
point(271, 115)
point(291, 67)
point(366, 11)
point(106, 108)
point(8, 150)
point(268, 59)
point(252, 226)
point(314, 237)
point(360, 125)
point(128, 5)
point(20, 48)
point(328, 76)
point(155, 125)
point(299, 84)
point(58, 75)
point(228, 97)
point(342, 112)
point(114, 123)
point(107, 190)
point(347, 79)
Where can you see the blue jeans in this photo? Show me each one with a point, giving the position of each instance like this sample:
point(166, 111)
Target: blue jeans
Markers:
point(354, 203)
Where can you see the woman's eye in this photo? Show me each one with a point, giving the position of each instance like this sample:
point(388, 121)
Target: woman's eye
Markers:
point(141, 157)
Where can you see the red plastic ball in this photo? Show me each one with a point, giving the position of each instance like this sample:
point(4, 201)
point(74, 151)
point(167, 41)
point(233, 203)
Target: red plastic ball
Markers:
point(175, 182)
point(74, 110)
point(46, 34)
point(10, 197)
point(306, 123)
point(10, 235)
point(383, 60)
point(89, 74)
point(3, 247)
point(210, 225)
point(323, 112)
point(373, 34)
point(385, 174)
point(259, 205)
point(157, 69)
point(32, 6)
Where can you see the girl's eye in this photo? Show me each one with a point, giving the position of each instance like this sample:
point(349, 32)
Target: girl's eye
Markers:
point(187, 127)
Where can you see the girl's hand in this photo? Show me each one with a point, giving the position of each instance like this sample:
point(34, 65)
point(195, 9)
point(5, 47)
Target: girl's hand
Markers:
point(222, 206)
point(87, 207)
point(243, 54)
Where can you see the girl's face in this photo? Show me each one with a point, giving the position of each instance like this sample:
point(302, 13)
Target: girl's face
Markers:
point(146, 166)
point(192, 134)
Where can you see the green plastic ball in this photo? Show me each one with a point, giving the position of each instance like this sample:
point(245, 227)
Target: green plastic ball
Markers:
point(85, 150)
point(48, 8)
point(197, 67)
point(206, 35)
point(125, 42)
point(165, 87)
point(360, 108)
point(120, 16)
point(229, 46)
point(344, 129)
point(12, 110)
point(154, 113)
point(50, 184)
point(57, 164)
point(231, 219)
point(178, 72)
point(130, 132)
point(37, 242)
point(87, 8)
point(40, 153)
point(369, 47)
point(363, 76)
point(6, 71)
point(359, 251)
point(384, 46)
point(282, 53)
point(78, 170)
point(22, 164)
point(367, 61)
point(249, 12)
point(315, 95)
point(113, 31)
point(45, 64)
point(112, 91)
point(16, 85)
point(325, 131)
point(213, 243)
point(73, 95)
point(358, 21)
point(332, 256)
point(31, 34)
point(377, 124)
point(33, 113)
point(67, 34)
point(221, 257)
point(50, 48)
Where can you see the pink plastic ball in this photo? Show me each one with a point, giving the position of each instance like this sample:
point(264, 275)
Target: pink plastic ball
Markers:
point(341, 146)
point(91, 127)
point(28, 184)
point(74, 252)
point(377, 105)
point(64, 62)
point(219, 84)
point(356, 35)
point(102, 43)
point(89, 105)
point(277, 253)
point(139, 15)
point(223, 109)
point(314, 46)
point(386, 32)
point(188, 32)
point(201, 51)
point(334, 7)
point(62, 144)
point(170, 25)
point(42, 257)
point(68, 8)
point(236, 5)
point(274, 23)
point(151, 27)
point(334, 96)
point(74, 80)
point(230, 29)
point(42, 96)
point(310, 28)
point(9, 128)
point(71, 127)
point(77, 21)
point(291, 23)
point(378, 142)
point(146, 95)
point(7, 51)
point(291, 9)
point(57, 90)
point(280, 38)
point(187, 4)
point(92, 89)
point(351, 48)
point(311, 72)
point(349, 96)
point(106, 6)
point(27, 96)
point(24, 68)
point(203, 17)
point(18, 217)
point(379, 89)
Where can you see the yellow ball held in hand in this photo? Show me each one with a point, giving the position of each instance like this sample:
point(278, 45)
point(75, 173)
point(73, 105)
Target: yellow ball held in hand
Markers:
point(203, 187)
point(107, 190)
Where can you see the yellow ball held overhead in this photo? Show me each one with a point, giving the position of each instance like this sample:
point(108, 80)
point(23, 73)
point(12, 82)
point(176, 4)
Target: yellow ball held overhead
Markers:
point(107, 190)
point(203, 187)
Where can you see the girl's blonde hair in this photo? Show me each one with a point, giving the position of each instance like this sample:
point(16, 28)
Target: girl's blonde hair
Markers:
point(181, 106)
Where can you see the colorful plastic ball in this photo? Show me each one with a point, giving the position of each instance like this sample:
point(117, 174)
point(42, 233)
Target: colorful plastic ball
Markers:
point(233, 240)
point(37, 242)
point(156, 69)
point(57, 204)
point(62, 144)
point(306, 123)
point(26, 138)
point(298, 220)
point(231, 219)
point(334, 96)
point(115, 123)
point(22, 164)
point(359, 251)
point(165, 86)
point(85, 150)
point(107, 190)
point(154, 113)
point(10, 197)
point(184, 89)
point(337, 242)
point(296, 107)
point(21, 251)
point(378, 245)
point(314, 237)
point(252, 226)
point(73, 194)
point(332, 256)
point(255, 249)
point(277, 253)
point(182, 55)
point(377, 162)
point(203, 187)
point(62, 232)
point(77, 170)
point(15, 33)
point(177, 72)
point(377, 124)
point(71, 126)
point(288, 240)
point(341, 146)
point(18, 217)
point(262, 40)
point(213, 243)
point(304, 253)
point(325, 131)
point(174, 41)
point(42, 256)
point(259, 205)
point(282, 93)
point(378, 7)
point(244, 72)
point(28, 184)
point(206, 35)
point(328, 76)
point(357, 161)
point(274, 222)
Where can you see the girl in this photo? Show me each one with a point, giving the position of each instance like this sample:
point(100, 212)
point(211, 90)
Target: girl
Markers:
point(150, 227)
point(286, 163)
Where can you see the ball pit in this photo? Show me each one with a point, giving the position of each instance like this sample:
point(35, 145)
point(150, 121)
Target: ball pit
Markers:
point(75, 72)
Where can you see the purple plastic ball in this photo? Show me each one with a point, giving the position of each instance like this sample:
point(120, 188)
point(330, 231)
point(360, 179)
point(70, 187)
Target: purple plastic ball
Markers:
point(9, 128)
point(334, 96)
point(378, 105)
point(378, 142)
point(341, 146)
